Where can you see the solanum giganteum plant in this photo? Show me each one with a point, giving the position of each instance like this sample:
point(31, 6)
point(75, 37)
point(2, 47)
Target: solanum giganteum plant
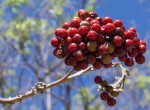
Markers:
point(91, 41)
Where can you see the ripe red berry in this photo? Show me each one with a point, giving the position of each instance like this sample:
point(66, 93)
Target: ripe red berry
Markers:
point(117, 41)
point(63, 33)
point(100, 39)
point(94, 22)
point(58, 32)
point(83, 64)
point(75, 22)
point(136, 41)
point(79, 56)
point(123, 58)
point(73, 47)
point(72, 32)
point(141, 49)
point(90, 58)
point(109, 28)
point(93, 15)
point(59, 53)
point(142, 43)
point(128, 44)
point(66, 25)
point(72, 61)
point(77, 38)
point(133, 52)
point(96, 27)
point(88, 19)
point(129, 34)
point(55, 42)
point(77, 67)
point(82, 46)
point(83, 30)
point(111, 101)
point(133, 29)
point(68, 40)
point(104, 96)
point(129, 62)
point(107, 20)
point(140, 59)
point(118, 23)
point(99, 19)
point(92, 35)
point(83, 14)
point(120, 51)
point(119, 31)
point(98, 64)
point(102, 49)
point(97, 79)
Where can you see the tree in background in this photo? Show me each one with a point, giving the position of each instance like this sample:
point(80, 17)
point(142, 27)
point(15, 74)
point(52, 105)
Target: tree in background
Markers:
point(26, 28)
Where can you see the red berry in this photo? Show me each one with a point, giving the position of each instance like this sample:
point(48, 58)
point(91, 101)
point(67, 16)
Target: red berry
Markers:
point(109, 28)
point(83, 14)
point(79, 56)
point(120, 51)
point(100, 39)
point(129, 34)
point(75, 22)
point(88, 19)
point(68, 40)
point(140, 59)
point(58, 32)
point(96, 27)
point(99, 19)
point(111, 101)
point(107, 20)
point(55, 42)
point(94, 22)
point(142, 43)
point(141, 49)
point(98, 64)
point(102, 30)
point(136, 41)
point(82, 46)
point(73, 47)
point(72, 61)
point(77, 38)
point(97, 79)
point(103, 49)
point(104, 96)
point(66, 25)
point(83, 64)
point(83, 30)
point(90, 58)
point(93, 15)
point(128, 44)
point(133, 29)
point(117, 41)
point(59, 53)
point(133, 52)
point(72, 31)
point(119, 31)
point(118, 23)
point(63, 33)
point(92, 35)
point(129, 62)
point(77, 67)
point(67, 61)
point(123, 58)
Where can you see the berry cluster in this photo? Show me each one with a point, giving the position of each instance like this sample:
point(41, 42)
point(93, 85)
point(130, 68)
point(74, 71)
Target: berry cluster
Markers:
point(90, 39)
point(108, 93)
